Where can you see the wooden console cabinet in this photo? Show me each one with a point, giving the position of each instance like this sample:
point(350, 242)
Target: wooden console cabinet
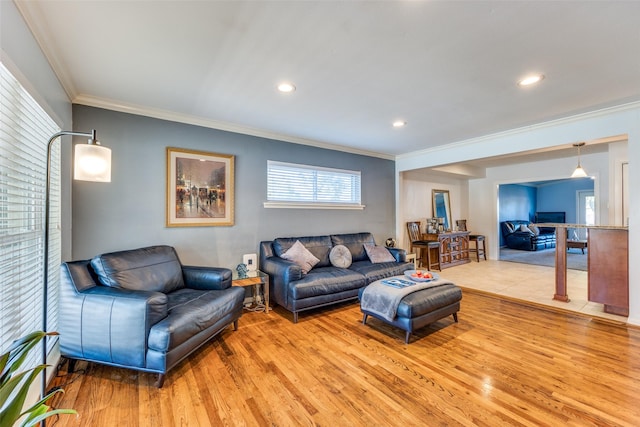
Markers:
point(608, 262)
point(607, 265)
point(454, 247)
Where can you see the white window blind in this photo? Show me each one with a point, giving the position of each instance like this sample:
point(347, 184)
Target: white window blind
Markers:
point(25, 129)
point(295, 185)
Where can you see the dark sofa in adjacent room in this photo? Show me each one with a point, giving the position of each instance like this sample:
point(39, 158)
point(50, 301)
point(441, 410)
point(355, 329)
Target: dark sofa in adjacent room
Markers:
point(523, 235)
point(532, 236)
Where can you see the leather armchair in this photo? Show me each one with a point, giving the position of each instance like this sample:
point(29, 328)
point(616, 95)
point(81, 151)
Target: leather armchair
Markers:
point(141, 309)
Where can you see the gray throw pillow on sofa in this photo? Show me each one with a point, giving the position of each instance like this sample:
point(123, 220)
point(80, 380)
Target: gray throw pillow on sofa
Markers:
point(340, 256)
point(523, 227)
point(378, 254)
point(301, 256)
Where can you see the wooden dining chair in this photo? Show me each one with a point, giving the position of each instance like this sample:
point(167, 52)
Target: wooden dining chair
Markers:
point(478, 239)
point(426, 247)
point(479, 249)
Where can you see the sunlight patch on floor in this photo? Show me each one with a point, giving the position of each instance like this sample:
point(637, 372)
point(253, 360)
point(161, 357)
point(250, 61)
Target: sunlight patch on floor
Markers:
point(527, 282)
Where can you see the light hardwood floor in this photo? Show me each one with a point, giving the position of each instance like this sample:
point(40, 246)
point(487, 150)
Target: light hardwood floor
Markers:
point(504, 363)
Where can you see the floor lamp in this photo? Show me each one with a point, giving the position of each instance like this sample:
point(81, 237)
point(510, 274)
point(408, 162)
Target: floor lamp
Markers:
point(92, 162)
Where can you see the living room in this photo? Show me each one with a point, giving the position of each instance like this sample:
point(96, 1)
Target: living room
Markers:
point(130, 211)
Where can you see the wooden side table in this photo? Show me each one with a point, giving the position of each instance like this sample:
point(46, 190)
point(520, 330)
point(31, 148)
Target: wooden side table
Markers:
point(411, 257)
point(254, 278)
point(577, 244)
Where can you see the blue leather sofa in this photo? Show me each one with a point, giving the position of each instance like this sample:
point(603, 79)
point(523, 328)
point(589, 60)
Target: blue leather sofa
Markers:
point(324, 284)
point(142, 309)
point(518, 234)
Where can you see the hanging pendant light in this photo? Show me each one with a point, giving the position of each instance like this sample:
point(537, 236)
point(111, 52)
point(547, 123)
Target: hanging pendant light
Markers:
point(579, 172)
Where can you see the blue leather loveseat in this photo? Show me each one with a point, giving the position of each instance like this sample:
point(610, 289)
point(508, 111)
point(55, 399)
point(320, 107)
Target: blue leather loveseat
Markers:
point(325, 283)
point(142, 309)
point(523, 235)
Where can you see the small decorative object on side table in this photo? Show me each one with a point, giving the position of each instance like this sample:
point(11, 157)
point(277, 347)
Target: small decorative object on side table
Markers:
point(253, 278)
point(242, 270)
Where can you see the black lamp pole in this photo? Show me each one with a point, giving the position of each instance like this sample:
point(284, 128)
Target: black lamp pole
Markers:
point(47, 214)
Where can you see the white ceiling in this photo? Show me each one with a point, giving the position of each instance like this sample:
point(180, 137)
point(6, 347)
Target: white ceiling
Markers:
point(448, 68)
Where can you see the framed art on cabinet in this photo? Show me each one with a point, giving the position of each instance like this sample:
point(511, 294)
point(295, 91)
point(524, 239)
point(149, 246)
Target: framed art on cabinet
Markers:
point(200, 188)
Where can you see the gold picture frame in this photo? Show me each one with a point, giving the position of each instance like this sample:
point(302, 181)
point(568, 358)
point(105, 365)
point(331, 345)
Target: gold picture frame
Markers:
point(200, 188)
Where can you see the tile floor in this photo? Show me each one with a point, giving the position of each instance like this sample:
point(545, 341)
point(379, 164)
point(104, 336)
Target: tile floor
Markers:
point(531, 283)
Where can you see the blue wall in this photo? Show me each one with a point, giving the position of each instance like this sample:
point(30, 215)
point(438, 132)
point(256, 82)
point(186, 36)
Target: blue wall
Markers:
point(561, 196)
point(129, 212)
point(516, 201)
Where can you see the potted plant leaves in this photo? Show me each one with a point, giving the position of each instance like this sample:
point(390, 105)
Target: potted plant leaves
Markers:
point(14, 385)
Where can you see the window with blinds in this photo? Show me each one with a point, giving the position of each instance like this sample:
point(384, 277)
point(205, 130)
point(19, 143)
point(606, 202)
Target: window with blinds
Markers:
point(295, 185)
point(25, 129)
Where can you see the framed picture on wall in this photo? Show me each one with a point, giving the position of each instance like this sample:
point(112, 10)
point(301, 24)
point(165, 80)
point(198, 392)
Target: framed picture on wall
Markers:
point(200, 188)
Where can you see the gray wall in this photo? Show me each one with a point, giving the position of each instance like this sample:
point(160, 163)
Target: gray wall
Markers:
point(129, 212)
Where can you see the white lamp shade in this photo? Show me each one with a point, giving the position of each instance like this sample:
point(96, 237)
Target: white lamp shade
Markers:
point(579, 173)
point(92, 162)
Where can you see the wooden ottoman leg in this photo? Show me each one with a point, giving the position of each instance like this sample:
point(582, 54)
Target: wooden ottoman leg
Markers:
point(455, 317)
point(160, 381)
point(364, 319)
point(406, 337)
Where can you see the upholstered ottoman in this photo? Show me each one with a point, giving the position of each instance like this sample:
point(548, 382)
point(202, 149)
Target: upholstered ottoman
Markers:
point(427, 304)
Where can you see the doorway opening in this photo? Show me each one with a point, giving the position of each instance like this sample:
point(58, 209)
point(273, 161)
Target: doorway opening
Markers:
point(586, 213)
point(520, 201)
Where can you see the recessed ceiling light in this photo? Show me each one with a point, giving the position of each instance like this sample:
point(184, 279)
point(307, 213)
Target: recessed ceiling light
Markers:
point(286, 87)
point(399, 123)
point(532, 79)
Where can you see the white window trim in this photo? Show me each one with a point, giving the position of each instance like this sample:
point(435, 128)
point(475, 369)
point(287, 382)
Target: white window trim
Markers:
point(295, 205)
